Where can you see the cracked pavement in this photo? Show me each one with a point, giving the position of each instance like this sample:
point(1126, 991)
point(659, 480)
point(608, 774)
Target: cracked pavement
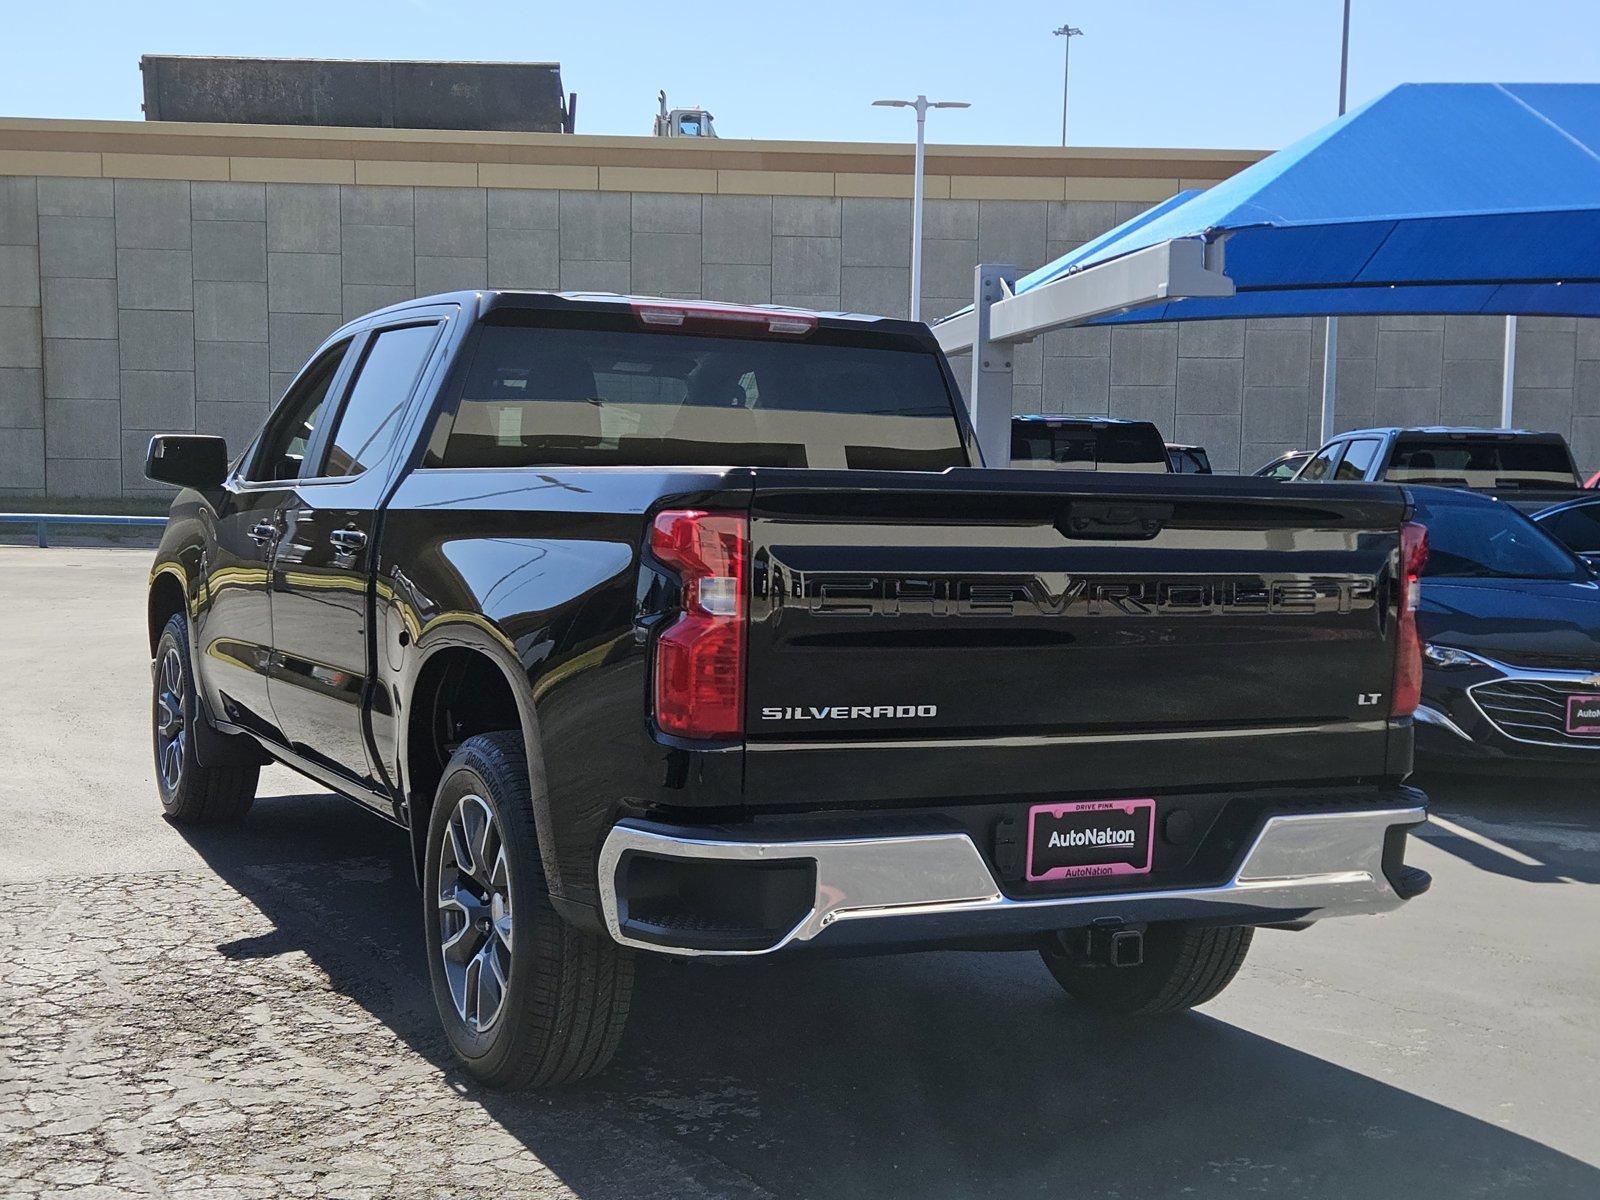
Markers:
point(245, 1013)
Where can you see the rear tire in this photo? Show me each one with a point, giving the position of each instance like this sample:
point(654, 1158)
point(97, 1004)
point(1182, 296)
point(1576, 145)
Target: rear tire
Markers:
point(191, 793)
point(534, 1003)
point(1184, 966)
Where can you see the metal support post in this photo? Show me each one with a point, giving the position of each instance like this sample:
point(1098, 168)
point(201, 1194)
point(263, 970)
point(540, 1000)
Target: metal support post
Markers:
point(990, 392)
point(1509, 375)
point(1330, 378)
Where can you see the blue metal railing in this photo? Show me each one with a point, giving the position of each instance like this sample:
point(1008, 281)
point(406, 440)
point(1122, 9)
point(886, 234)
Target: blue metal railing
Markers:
point(42, 521)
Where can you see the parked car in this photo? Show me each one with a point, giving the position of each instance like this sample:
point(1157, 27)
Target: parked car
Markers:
point(1575, 524)
point(1284, 466)
point(1496, 461)
point(698, 630)
point(1511, 624)
point(1052, 442)
point(1188, 460)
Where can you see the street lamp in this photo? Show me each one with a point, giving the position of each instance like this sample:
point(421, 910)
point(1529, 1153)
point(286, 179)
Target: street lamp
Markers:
point(922, 104)
point(1330, 337)
point(1066, 32)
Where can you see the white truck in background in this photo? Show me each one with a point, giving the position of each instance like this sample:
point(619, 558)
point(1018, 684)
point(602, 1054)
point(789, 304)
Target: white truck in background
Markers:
point(682, 122)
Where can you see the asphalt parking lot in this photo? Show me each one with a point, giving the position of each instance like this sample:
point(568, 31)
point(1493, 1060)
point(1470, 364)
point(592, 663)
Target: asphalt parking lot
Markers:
point(245, 1012)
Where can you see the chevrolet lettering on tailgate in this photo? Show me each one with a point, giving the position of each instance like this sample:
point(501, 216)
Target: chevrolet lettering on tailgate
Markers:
point(1050, 595)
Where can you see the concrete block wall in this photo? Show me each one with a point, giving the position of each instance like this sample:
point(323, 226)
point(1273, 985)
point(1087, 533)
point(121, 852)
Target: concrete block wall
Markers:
point(21, 340)
point(133, 306)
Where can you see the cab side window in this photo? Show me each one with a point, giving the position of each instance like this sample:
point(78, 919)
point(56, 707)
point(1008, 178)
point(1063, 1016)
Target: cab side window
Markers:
point(282, 452)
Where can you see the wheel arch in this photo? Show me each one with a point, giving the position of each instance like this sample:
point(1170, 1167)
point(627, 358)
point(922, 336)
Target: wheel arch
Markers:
point(470, 679)
point(168, 596)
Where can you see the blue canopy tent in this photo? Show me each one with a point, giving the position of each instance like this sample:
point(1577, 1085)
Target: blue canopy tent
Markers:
point(1433, 198)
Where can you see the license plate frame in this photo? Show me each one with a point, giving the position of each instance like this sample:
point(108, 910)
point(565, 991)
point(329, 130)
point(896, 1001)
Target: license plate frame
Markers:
point(1091, 858)
point(1583, 726)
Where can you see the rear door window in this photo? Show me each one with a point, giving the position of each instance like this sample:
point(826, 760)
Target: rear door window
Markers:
point(622, 397)
point(1320, 468)
point(377, 399)
point(1357, 458)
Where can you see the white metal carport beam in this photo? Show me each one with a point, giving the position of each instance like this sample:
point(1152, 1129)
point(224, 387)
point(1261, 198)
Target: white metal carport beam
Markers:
point(999, 319)
point(1167, 271)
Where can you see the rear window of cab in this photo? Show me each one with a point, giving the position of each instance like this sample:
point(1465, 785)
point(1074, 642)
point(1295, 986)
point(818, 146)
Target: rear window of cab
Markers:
point(536, 395)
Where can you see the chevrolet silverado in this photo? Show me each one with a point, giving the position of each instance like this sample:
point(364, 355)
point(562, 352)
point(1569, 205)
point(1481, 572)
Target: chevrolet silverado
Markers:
point(693, 629)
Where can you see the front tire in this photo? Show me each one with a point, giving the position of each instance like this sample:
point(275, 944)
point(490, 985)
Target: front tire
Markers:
point(1184, 966)
point(191, 793)
point(526, 999)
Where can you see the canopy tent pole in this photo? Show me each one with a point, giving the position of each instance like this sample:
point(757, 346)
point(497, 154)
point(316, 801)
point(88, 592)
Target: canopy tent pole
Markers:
point(1508, 376)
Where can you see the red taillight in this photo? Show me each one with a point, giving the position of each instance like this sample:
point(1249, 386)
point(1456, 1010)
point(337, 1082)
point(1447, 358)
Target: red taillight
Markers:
point(692, 315)
point(700, 656)
point(1407, 691)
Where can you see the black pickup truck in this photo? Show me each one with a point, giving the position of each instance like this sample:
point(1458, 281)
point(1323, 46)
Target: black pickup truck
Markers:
point(700, 630)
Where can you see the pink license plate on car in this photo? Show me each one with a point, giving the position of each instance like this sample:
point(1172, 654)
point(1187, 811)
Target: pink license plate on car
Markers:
point(1092, 838)
point(1583, 716)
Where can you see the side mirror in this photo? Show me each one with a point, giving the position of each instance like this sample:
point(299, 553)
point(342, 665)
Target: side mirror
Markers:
point(194, 460)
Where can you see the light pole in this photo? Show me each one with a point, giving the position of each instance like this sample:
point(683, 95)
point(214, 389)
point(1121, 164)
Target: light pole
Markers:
point(922, 104)
point(1508, 372)
point(1066, 32)
point(1330, 341)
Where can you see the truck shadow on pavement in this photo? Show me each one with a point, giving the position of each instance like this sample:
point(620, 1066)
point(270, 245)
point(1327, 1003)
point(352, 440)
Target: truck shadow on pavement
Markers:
point(932, 1075)
point(1532, 829)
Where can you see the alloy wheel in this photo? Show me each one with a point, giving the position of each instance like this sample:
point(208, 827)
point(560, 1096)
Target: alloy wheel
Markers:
point(172, 732)
point(475, 913)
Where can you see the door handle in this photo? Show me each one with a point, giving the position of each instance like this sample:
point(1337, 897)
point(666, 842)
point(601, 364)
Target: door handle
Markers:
point(263, 532)
point(348, 540)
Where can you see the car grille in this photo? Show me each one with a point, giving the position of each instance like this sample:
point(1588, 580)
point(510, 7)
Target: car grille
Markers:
point(1533, 710)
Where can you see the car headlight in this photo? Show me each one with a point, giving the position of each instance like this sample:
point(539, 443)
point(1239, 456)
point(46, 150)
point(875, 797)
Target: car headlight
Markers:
point(1447, 657)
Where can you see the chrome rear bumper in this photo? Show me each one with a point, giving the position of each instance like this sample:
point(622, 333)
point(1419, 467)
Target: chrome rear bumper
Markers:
point(925, 887)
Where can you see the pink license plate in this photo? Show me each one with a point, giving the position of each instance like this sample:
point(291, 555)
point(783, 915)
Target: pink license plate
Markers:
point(1091, 838)
point(1583, 716)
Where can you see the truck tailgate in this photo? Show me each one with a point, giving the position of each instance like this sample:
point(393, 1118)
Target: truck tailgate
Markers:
point(987, 632)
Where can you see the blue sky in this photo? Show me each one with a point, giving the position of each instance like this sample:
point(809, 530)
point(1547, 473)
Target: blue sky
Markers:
point(1223, 73)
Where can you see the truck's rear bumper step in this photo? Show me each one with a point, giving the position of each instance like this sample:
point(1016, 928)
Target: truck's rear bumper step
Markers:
point(683, 891)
